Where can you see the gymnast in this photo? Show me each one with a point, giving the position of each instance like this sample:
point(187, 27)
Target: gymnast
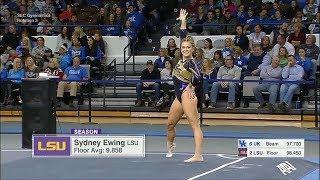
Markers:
point(185, 74)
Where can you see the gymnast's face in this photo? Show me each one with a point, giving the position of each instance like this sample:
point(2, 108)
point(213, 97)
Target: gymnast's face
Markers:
point(186, 50)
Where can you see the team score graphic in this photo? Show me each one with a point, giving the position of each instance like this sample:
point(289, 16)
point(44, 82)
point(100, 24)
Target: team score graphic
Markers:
point(114, 150)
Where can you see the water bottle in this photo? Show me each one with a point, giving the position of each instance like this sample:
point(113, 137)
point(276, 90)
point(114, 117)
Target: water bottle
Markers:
point(298, 104)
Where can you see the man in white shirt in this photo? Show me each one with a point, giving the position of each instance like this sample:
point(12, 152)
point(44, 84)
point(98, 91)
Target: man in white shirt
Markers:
point(282, 43)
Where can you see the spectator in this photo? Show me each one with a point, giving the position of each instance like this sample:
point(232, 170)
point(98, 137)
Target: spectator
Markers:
point(77, 50)
point(81, 36)
point(218, 19)
point(171, 47)
point(305, 62)
point(3, 87)
point(66, 15)
point(135, 17)
point(166, 83)
point(310, 9)
point(47, 8)
point(217, 60)
point(283, 29)
point(293, 9)
point(14, 88)
point(73, 75)
point(239, 59)
point(159, 63)
point(208, 50)
point(209, 73)
point(210, 26)
point(38, 52)
point(150, 73)
point(192, 7)
point(231, 21)
point(228, 71)
point(102, 17)
point(312, 50)
point(64, 57)
point(44, 27)
point(315, 26)
point(256, 36)
point(241, 39)
point(281, 39)
point(256, 61)
point(11, 39)
point(283, 56)
point(53, 68)
point(59, 6)
point(32, 9)
point(269, 73)
point(265, 44)
point(297, 37)
point(25, 48)
point(292, 72)
point(120, 18)
point(8, 17)
point(261, 19)
point(31, 70)
point(39, 4)
point(63, 37)
point(242, 15)
point(48, 54)
point(130, 31)
point(100, 42)
point(94, 56)
point(229, 6)
point(228, 49)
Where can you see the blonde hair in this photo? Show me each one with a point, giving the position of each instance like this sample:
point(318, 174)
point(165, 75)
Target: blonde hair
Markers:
point(165, 51)
point(33, 63)
point(190, 40)
point(15, 63)
point(79, 31)
point(210, 65)
point(231, 44)
point(55, 62)
point(29, 43)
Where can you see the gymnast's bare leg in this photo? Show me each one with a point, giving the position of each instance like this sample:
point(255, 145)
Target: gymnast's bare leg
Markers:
point(174, 116)
point(189, 106)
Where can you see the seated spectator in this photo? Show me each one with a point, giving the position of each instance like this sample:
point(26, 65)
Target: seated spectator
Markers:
point(11, 39)
point(283, 56)
point(31, 70)
point(39, 51)
point(82, 37)
point(228, 71)
point(48, 54)
point(217, 60)
point(100, 42)
point(242, 15)
point(213, 29)
point(241, 39)
point(150, 73)
point(119, 18)
point(94, 57)
point(229, 6)
point(310, 9)
point(130, 31)
point(283, 29)
point(73, 74)
point(231, 21)
point(269, 73)
point(44, 27)
point(315, 26)
point(159, 63)
point(208, 49)
point(112, 29)
point(66, 15)
point(135, 17)
point(209, 73)
point(312, 50)
point(63, 37)
point(256, 36)
point(198, 57)
point(171, 47)
point(166, 83)
point(77, 50)
point(282, 43)
point(292, 72)
point(256, 60)
point(265, 44)
point(24, 49)
point(14, 88)
point(228, 48)
point(65, 59)
point(297, 37)
point(53, 68)
point(192, 7)
point(31, 8)
point(239, 59)
point(305, 62)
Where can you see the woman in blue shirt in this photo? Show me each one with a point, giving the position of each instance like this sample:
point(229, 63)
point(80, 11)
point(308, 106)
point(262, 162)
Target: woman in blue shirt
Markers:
point(14, 88)
point(305, 62)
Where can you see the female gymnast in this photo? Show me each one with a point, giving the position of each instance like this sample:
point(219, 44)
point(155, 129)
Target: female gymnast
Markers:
point(184, 75)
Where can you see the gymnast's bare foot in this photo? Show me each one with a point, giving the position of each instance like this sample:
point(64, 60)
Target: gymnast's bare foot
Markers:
point(194, 158)
point(171, 147)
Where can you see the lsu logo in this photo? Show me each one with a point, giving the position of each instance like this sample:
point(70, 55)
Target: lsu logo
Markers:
point(52, 146)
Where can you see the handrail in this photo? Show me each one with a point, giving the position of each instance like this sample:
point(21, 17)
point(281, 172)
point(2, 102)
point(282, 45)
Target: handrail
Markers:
point(114, 61)
point(125, 60)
